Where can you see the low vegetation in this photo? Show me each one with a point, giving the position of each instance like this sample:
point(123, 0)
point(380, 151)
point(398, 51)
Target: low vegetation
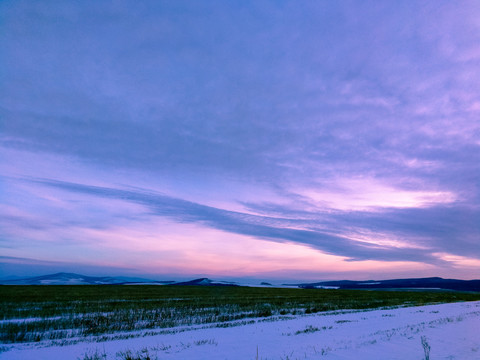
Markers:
point(38, 313)
point(426, 347)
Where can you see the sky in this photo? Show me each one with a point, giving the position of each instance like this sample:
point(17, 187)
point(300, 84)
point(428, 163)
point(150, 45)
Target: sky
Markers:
point(278, 140)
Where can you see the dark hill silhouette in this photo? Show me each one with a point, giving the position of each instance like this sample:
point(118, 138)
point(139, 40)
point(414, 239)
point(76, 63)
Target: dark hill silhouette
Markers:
point(432, 283)
point(64, 278)
point(415, 283)
point(205, 282)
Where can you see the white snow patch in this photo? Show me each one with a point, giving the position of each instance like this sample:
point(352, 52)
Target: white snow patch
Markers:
point(370, 283)
point(327, 287)
point(451, 330)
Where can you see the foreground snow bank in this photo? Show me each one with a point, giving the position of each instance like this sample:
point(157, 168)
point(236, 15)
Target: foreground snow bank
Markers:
point(450, 330)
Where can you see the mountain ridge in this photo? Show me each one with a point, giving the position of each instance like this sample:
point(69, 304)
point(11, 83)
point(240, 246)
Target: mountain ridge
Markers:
point(429, 283)
point(65, 278)
point(433, 283)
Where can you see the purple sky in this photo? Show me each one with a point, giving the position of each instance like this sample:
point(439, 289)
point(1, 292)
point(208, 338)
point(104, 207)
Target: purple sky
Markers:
point(240, 139)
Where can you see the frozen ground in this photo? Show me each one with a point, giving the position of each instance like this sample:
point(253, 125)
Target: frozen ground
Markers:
point(451, 330)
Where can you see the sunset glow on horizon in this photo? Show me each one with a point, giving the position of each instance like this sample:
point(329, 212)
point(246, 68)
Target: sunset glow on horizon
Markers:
point(240, 140)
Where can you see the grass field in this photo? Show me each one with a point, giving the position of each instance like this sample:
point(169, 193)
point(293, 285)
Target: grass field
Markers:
point(37, 313)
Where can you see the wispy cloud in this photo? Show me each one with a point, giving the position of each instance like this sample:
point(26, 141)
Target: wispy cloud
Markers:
point(282, 229)
point(349, 129)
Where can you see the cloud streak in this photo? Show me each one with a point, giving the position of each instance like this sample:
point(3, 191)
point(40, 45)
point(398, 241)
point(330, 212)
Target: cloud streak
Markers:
point(271, 228)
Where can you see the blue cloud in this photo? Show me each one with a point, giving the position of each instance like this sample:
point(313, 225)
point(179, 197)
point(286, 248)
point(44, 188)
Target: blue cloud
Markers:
point(271, 228)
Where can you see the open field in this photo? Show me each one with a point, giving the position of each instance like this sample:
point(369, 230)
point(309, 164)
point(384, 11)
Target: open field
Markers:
point(442, 331)
point(71, 313)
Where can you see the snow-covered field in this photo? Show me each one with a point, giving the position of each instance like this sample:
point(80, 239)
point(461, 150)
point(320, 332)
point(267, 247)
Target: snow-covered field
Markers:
point(452, 331)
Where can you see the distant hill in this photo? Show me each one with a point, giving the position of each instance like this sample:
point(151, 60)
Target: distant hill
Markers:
point(63, 278)
point(432, 283)
point(206, 282)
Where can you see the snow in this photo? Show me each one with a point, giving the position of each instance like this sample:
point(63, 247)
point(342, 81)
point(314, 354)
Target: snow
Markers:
point(370, 283)
point(451, 330)
point(327, 287)
point(26, 320)
point(69, 281)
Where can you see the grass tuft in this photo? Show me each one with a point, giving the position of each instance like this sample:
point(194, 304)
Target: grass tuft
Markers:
point(143, 354)
point(94, 355)
point(426, 347)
